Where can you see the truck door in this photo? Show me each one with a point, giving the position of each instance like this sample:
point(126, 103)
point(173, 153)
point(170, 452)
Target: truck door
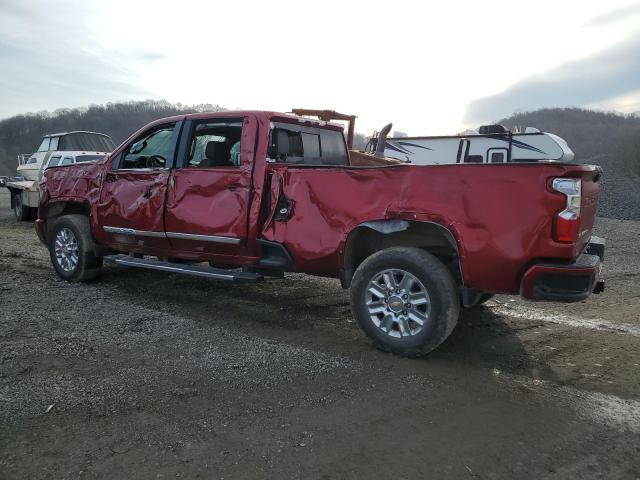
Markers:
point(209, 190)
point(133, 191)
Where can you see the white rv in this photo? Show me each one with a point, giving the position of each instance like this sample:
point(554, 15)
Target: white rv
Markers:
point(491, 144)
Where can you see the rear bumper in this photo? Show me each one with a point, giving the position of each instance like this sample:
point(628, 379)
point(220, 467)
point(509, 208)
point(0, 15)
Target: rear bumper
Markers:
point(560, 282)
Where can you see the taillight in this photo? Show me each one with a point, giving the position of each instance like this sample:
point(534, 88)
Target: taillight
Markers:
point(567, 222)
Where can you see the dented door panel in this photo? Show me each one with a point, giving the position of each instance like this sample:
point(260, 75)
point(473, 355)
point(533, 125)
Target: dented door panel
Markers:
point(500, 215)
point(130, 209)
point(207, 202)
point(207, 207)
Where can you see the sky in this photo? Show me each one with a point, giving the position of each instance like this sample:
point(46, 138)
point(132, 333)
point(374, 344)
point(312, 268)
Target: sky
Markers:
point(429, 67)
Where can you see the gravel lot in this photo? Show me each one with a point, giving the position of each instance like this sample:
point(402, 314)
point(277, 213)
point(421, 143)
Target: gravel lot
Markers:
point(147, 375)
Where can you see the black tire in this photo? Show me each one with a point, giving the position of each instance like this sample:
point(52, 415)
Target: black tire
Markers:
point(435, 278)
point(21, 211)
point(88, 265)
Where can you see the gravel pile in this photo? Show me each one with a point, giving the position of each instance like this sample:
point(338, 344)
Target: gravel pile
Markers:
point(619, 191)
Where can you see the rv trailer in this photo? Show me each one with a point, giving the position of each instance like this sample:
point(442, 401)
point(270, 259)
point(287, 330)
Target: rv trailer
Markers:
point(490, 144)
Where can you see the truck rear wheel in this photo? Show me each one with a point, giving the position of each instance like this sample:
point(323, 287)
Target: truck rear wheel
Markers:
point(405, 300)
point(20, 210)
point(71, 249)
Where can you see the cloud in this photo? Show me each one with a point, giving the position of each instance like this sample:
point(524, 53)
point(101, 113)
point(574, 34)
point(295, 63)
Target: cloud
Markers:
point(54, 59)
point(614, 16)
point(610, 73)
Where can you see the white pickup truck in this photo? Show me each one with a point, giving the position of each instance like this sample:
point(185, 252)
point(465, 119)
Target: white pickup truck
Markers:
point(58, 149)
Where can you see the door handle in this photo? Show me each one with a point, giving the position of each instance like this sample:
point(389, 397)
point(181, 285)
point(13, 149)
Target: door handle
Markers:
point(233, 187)
point(147, 193)
point(111, 177)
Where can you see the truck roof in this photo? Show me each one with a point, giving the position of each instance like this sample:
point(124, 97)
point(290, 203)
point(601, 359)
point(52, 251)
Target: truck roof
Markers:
point(270, 115)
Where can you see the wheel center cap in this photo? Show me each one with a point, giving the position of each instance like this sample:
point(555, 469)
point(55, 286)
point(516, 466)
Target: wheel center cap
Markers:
point(395, 303)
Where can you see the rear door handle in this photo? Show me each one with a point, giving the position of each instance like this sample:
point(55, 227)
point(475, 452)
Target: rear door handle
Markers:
point(233, 187)
point(147, 193)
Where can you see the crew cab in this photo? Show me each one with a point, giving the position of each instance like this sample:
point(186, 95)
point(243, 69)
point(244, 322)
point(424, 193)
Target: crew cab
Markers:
point(239, 195)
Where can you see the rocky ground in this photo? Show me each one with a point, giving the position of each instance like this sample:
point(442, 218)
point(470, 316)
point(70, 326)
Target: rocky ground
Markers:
point(147, 375)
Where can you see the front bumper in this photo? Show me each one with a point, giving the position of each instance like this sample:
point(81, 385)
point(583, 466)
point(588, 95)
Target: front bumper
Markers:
point(572, 282)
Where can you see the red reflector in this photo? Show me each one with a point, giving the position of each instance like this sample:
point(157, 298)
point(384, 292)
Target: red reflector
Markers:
point(567, 225)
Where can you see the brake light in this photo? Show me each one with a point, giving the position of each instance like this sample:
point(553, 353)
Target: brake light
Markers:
point(567, 222)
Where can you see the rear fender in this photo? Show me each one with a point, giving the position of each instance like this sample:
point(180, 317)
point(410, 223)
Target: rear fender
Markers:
point(370, 237)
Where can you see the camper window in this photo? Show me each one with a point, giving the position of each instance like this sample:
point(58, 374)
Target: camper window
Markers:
point(44, 146)
point(497, 157)
point(53, 161)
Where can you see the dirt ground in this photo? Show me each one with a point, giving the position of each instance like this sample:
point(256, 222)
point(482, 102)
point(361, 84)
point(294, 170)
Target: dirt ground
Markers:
point(141, 374)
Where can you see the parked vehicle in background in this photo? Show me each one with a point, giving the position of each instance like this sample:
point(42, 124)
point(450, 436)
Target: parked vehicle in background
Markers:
point(236, 196)
point(63, 159)
point(59, 149)
point(490, 144)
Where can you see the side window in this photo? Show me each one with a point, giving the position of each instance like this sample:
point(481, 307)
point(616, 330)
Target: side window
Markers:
point(53, 145)
point(54, 161)
point(297, 144)
point(215, 145)
point(67, 161)
point(150, 150)
point(44, 146)
point(473, 159)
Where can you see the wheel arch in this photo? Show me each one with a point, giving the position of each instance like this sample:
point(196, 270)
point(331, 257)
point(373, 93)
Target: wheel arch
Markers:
point(55, 210)
point(373, 236)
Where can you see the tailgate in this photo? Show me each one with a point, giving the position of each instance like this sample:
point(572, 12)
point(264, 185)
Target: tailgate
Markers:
point(588, 206)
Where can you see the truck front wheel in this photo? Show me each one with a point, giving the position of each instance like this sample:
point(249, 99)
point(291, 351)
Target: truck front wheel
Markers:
point(405, 300)
point(71, 249)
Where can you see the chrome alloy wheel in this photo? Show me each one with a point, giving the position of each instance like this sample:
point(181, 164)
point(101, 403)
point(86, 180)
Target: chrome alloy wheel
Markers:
point(66, 250)
point(398, 303)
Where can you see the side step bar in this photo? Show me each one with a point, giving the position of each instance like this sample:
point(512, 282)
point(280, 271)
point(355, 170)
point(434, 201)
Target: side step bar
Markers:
point(185, 268)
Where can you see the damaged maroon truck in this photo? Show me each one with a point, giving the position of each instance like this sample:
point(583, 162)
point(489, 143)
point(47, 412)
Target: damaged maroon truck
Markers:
point(238, 196)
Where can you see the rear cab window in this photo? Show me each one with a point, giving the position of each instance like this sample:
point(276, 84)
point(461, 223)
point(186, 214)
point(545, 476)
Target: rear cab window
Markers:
point(307, 145)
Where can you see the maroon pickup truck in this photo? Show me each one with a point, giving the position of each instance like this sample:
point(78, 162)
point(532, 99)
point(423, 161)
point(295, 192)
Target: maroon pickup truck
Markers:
point(239, 195)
